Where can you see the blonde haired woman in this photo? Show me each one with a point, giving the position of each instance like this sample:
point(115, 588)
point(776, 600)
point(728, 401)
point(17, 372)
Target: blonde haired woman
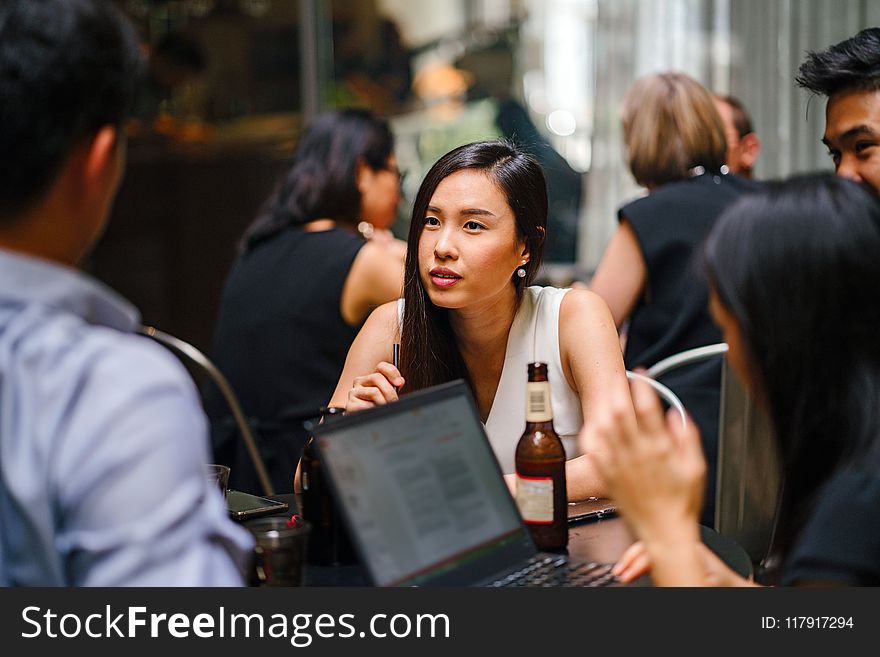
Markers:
point(675, 147)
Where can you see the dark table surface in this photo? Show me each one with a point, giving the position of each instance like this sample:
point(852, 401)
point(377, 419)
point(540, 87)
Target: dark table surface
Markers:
point(601, 540)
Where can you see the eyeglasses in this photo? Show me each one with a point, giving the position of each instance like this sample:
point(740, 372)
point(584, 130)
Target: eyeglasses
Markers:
point(401, 175)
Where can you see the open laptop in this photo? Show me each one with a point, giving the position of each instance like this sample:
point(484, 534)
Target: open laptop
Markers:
point(425, 502)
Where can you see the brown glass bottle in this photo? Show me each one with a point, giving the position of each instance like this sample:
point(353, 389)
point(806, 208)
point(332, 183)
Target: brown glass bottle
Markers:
point(540, 468)
point(329, 542)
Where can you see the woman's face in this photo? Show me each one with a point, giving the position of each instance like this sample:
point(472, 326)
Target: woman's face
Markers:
point(468, 249)
point(380, 193)
point(737, 354)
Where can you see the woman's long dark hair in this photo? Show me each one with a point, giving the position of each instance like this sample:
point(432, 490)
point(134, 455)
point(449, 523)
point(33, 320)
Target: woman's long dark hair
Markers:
point(798, 266)
point(322, 181)
point(429, 353)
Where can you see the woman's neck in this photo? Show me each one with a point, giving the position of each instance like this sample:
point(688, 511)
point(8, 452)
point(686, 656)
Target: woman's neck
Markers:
point(319, 225)
point(481, 332)
point(325, 224)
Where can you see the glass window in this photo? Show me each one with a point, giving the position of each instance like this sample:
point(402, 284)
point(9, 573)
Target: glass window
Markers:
point(220, 113)
point(231, 82)
point(447, 73)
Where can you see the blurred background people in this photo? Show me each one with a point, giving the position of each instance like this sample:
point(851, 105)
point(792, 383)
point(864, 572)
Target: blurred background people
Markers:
point(272, 65)
point(743, 145)
point(794, 272)
point(475, 244)
point(303, 284)
point(848, 74)
point(493, 71)
point(675, 147)
point(102, 438)
point(173, 62)
point(375, 74)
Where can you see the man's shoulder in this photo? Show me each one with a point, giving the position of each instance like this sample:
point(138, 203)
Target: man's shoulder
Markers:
point(65, 351)
point(132, 362)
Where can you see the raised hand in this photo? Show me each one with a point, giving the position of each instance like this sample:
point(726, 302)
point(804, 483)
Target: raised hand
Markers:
point(375, 389)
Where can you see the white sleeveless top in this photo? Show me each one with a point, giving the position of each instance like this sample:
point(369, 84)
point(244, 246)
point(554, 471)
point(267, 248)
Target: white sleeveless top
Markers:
point(534, 336)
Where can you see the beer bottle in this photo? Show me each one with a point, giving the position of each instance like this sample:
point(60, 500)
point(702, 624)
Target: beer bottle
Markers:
point(540, 468)
point(329, 542)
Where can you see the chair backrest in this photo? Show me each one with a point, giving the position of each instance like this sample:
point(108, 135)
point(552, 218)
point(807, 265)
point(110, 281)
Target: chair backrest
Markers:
point(665, 394)
point(195, 359)
point(749, 470)
point(687, 357)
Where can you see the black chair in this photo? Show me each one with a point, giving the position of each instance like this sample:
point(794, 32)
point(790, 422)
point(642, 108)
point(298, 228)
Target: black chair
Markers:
point(195, 359)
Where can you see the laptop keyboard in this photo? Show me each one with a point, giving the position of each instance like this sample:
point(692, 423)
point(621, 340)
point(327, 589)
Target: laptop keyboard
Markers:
point(557, 571)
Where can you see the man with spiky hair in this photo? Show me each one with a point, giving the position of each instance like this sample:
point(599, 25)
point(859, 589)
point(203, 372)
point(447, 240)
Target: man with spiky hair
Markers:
point(848, 74)
point(102, 439)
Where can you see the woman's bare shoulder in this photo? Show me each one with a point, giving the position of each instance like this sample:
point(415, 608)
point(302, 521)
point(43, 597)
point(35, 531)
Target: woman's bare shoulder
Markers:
point(579, 300)
point(585, 323)
point(385, 318)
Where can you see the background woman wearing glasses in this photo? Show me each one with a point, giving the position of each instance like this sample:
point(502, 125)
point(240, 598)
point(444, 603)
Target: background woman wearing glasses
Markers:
point(305, 281)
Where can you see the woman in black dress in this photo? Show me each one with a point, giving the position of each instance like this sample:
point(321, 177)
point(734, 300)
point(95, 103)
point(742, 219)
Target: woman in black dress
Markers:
point(675, 147)
point(794, 274)
point(304, 282)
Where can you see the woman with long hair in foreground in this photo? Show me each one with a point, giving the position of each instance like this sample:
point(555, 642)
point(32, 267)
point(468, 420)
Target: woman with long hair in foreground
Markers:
point(793, 274)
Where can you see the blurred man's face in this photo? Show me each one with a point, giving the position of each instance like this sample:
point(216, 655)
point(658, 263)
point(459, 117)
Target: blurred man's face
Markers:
point(852, 135)
point(741, 151)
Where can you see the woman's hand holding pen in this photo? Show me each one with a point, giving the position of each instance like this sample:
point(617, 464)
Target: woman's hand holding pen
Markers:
point(375, 389)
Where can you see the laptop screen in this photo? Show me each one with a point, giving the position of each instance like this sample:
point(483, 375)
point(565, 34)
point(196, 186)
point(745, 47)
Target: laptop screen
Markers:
point(420, 487)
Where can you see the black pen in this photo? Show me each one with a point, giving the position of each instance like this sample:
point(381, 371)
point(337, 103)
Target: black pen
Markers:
point(395, 357)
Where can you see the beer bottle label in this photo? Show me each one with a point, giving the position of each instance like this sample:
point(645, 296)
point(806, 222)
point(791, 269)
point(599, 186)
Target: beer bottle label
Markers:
point(538, 402)
point(534, 497)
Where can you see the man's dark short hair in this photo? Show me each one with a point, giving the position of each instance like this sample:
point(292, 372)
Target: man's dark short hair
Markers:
point(741, 119)
point(851, 65)
point(67, 68)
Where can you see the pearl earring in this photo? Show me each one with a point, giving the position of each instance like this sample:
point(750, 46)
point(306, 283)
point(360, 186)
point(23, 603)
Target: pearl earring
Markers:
point(521, 272)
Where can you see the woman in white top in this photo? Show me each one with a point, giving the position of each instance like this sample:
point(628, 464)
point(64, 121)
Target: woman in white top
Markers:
point(475, 244)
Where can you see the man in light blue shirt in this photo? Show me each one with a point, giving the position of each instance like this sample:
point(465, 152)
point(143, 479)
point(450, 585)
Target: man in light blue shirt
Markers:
point(102, 438)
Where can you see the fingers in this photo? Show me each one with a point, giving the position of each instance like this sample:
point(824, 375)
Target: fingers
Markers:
point(605, 448)
point(630, 554)
point(687, 437)
point(639, 566)
point(355, 404)
point(622, 430)
point(609, 425)
point(649, 413)
point(375, 389)
point(636, 454)
point(605, 465)
point(391, 373)
point(634, 563)
point(606, 438)
point(688, 446)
